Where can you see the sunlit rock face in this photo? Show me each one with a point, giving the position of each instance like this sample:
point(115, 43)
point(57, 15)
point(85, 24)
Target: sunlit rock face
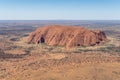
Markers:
point(68, 36)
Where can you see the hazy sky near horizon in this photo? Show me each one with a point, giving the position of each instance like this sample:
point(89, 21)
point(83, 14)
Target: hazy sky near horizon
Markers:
point(59, 9)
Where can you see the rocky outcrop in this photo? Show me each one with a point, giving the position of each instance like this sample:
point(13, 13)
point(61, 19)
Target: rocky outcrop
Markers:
point(68, 36)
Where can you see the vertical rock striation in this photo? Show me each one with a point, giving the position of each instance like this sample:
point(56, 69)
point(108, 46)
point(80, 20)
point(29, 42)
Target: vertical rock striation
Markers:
point(68, 36)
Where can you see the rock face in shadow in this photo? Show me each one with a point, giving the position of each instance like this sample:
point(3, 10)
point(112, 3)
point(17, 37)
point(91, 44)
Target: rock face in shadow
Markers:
point(68, 36)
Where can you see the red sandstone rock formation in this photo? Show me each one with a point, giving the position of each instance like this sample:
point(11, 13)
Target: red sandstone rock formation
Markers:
point(69, 36)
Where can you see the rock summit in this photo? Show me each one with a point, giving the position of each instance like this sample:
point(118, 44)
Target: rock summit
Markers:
point(68, 36)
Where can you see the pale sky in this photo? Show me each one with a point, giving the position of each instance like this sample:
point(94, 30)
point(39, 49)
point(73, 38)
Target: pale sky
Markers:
point(59, 9)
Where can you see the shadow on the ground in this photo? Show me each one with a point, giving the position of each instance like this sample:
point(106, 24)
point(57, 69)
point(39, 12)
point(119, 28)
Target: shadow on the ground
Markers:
point(11, 56)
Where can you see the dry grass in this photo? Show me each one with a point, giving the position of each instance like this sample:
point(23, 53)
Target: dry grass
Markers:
point(43, 62)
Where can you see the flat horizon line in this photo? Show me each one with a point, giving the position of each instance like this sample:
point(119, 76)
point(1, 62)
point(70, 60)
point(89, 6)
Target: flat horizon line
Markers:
point(61, 20)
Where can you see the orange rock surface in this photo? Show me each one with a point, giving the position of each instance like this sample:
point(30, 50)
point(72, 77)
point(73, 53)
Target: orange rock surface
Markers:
point(68, 36)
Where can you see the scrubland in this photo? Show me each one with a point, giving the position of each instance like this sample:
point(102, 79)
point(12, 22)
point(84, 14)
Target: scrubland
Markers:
point(22, 61)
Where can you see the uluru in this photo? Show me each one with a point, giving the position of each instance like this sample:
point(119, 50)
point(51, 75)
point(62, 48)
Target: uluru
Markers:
point(68, 36)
